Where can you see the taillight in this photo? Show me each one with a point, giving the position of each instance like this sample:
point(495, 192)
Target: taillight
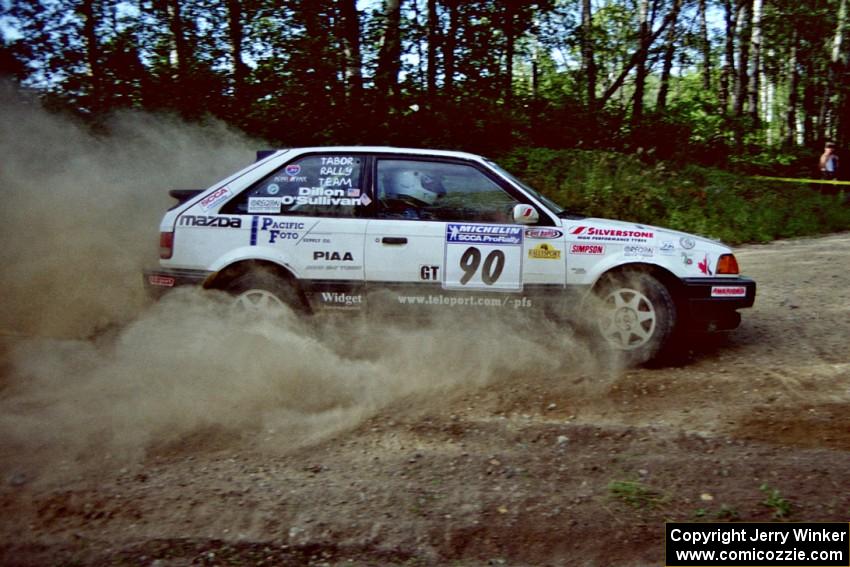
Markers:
point(166, 245)
point(727, 264)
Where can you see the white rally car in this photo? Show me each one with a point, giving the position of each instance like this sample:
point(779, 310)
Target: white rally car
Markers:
point(379, 228)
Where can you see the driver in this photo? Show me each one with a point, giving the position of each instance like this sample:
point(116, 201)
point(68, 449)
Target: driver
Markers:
point(411, 191)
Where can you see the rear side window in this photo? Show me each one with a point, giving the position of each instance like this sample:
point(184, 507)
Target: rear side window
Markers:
point(316, 185)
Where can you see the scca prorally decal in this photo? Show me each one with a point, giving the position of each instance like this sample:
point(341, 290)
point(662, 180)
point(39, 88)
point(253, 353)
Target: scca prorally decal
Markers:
point(215, 197)
point(200, 220)
point(483, 234)
point(591, 249)
point(728, 291)
point(543, 233)
point(611, 234)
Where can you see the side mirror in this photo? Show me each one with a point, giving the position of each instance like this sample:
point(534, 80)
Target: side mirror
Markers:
point(525, 214)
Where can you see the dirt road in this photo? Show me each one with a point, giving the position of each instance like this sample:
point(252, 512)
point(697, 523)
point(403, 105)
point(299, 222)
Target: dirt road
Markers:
point(521, 463)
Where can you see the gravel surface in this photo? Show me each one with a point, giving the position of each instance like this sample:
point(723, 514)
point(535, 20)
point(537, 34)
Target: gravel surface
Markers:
point(137, 448)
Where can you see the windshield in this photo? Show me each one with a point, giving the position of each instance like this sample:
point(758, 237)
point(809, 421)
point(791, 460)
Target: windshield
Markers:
point(549, 203)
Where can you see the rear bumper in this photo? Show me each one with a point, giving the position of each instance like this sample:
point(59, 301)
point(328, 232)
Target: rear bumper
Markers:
point(713, 303)
point(160, 281)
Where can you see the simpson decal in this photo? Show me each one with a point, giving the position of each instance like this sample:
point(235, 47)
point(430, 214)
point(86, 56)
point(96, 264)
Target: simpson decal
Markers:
point(544, 252)
point(591, 249)
point(483, 234)
point(728, 291)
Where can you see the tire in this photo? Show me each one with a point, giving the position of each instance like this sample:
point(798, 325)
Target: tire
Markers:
point(265, 293)
point(634, 317)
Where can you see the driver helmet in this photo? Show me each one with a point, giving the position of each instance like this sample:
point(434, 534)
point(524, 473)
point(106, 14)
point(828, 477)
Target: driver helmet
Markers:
point(415, 185)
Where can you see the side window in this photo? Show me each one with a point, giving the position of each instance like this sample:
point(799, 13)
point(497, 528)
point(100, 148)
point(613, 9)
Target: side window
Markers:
point(316, 185)
point(440, 191)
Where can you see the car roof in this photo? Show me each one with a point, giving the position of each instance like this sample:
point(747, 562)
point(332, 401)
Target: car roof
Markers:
point(388, 150)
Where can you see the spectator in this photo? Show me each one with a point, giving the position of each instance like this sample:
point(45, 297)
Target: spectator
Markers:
point(829, 162)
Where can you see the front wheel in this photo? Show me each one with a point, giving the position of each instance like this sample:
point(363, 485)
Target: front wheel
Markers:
point(634, 316)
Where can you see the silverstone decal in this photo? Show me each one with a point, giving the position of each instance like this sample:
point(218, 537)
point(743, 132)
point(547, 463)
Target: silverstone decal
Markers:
point(483, 234)
point(591, 249)
point(482, 256)
point(705, 266)
point(543, 233)
point(544, 252)
point(583, 232)
point(274, 230)
point(637, 250)
point(215, 198)
point(268, 205)
point(728, 291)
point(200, 220)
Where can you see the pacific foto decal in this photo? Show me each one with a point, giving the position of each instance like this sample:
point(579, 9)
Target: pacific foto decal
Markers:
point(593, 249)
point(483, 234)
point(277, 229)
point(610, 234)
point(730, 291)
point(215, 197)
point(544, 252)
point(543, 233)
point(221, 222)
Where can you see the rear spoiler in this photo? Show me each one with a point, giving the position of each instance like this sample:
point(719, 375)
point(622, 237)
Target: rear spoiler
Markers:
point(183, 195)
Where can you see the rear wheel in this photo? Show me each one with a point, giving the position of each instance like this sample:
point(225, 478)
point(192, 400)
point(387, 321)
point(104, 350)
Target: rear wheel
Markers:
point(264, 292)
point(634, 316)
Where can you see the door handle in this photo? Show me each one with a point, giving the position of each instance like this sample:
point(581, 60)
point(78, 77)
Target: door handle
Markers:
point(394, 240)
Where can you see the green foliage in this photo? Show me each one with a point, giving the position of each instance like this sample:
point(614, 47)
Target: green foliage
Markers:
point(635, 494)
point(718, 204)
point(773, 499)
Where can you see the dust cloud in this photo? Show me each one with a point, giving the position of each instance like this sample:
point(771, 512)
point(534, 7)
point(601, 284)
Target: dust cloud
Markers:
point(105, 378)
point(81, 212)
